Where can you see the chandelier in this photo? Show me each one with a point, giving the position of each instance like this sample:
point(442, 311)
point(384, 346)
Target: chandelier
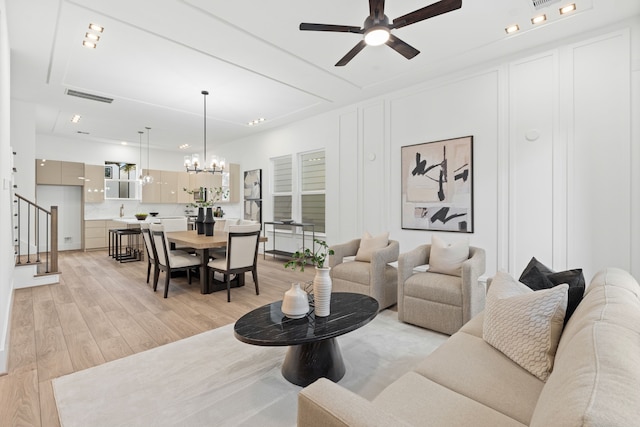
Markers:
point(213, 164)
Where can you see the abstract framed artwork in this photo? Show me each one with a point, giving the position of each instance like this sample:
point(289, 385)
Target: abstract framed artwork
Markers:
point(253, 210)
point(253, 184)
point(437, 185)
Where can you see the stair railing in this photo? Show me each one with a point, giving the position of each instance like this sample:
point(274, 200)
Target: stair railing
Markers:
point(30, 218)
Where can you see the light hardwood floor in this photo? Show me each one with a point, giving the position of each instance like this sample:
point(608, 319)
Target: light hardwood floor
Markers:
point(103, 310)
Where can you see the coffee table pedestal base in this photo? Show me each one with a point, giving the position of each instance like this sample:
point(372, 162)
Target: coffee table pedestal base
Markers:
point(305, 363)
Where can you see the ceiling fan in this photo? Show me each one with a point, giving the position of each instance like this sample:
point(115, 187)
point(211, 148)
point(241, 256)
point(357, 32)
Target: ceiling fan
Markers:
point(377, 29)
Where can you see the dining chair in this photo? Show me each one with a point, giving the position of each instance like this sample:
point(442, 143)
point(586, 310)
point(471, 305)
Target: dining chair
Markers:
point(151, 252)
point(241, 257)
point(176, 224)
point(169, 261)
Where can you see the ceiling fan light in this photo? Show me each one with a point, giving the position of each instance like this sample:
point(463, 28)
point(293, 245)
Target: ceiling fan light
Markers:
point(376, 36)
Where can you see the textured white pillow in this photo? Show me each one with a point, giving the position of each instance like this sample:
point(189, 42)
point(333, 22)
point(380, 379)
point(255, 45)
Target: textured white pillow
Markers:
point(369, 244)
point(447, 258)
point(523, 324)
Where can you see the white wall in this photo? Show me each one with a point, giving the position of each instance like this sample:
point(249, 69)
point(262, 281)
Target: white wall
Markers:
point(556, 162)
point(6, 248)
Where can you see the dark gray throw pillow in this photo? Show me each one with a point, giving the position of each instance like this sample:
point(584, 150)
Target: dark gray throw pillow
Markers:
point(538, 276)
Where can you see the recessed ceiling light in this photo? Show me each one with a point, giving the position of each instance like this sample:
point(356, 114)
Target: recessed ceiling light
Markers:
point(88, 44)
point(123, 143)
point(184, 146)
point(511, 29)
point(568, 8)
point(96, 27)
point(92, 36)
point(75, 118)
point(538, 19)
point(256, 121)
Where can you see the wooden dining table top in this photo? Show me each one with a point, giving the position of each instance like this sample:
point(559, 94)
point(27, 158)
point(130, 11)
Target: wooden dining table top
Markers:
point(192, 239)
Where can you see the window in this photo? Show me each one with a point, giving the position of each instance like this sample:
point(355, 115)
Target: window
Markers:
point(282, 188)
point(304, 198)
point(120, 180)
point(312, 186)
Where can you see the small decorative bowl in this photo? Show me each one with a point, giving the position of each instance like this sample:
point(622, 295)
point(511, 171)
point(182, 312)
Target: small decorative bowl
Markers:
point(153, 213)
point(141, 217)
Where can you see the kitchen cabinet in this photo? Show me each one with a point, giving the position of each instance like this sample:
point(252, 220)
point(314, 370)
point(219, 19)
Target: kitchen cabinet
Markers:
point(233, 184)
point(152, 193)
point(96, 232)
point(55, 172)
point(183, 182)
point(93, 183)
point(169, 187)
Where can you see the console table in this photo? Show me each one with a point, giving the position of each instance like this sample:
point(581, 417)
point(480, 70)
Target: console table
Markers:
point(303, 225)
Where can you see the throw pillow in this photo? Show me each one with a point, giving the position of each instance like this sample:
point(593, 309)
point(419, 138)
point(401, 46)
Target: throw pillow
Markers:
point(369, 244)
point(523, 324)
point(537, 276)
point(447, 258)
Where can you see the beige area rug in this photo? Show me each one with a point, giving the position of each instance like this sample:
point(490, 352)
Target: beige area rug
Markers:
point(212, 379)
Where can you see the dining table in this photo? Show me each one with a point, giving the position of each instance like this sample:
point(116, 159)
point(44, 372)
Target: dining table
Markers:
point(202, 245)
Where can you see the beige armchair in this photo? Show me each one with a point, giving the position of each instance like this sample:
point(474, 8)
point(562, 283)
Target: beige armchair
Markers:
point(435, 301)
point(376, 278)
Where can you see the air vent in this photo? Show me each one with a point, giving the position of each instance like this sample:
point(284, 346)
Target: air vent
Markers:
point(89, 96)
point(539, 4)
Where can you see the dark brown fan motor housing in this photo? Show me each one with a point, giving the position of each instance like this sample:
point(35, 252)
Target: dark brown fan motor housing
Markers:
point(378, 21)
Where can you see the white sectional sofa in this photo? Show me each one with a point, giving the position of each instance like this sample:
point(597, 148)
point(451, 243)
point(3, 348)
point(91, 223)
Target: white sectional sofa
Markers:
point(595, 379)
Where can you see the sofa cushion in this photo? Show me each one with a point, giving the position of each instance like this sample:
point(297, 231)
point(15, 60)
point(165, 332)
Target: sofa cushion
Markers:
point(538, 276)
point(436, 287)
point(369, 244)
point(447, 258)
point(419, 401)
point(596, 375)
point(523, 324)
point(469, 366)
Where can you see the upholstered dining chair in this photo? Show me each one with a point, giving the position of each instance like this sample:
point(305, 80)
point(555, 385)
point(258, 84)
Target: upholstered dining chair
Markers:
point(442, 301)
point(148, 244)
point(176, 224)
point(241, 255)
point(168, 260)
point(368, 273)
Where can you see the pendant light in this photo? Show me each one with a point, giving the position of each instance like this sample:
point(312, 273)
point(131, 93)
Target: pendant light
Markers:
point(148, 179)
point(140, 157)
point(211, 165)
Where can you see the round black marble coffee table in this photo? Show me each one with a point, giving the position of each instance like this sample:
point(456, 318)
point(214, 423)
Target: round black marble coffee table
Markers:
point(313, 350)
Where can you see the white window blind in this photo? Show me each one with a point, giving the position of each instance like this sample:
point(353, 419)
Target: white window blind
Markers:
point(312, 184)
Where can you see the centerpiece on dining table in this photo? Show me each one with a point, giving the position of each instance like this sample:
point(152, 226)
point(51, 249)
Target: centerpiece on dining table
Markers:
point(207, 198)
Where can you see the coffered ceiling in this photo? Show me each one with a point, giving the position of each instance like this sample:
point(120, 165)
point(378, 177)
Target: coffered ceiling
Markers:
point(155, 56)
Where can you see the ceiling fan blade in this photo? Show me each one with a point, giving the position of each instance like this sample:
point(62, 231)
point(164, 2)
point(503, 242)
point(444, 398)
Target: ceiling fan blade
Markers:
point(353, 52)
point(335, 28)
point(401, 47)
point(376, 9)
point(427, 12)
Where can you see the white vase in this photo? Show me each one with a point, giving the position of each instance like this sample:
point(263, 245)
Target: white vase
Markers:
point(295, 303)
point(322, 292)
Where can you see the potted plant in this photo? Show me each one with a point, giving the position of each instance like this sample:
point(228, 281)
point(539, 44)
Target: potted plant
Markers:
point(204, 224)
point(322, 280)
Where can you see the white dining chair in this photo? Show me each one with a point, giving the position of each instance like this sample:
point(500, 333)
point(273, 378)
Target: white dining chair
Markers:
point(168, 260)
point(241, 256)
